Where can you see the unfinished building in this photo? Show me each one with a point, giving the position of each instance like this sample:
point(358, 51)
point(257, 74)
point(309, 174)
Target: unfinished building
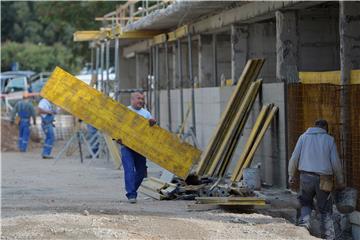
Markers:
point(187, 56)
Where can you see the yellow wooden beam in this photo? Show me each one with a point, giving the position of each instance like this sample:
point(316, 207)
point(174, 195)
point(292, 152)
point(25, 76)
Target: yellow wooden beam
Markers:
point(80, 36)
point(117, 32)
point(116, 120)
point(160, 38)
point(331, 77)
point(178, 33)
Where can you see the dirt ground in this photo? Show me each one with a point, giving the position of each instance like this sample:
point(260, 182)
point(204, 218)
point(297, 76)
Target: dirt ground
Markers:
point(70, 200)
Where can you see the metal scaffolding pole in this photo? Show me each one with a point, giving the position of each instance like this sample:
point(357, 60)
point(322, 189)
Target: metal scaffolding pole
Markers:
point(102, 66)
point(168, 85)
point(97, 66)
point(117, 72)
point(149, 79)
point(191, 78)
point(107, 86)
point(180, 80)
point(157, 84)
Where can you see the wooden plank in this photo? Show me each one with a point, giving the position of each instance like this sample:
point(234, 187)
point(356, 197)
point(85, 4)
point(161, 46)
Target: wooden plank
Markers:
point(250, 72)
point(151, 193)
point(257, 141)
point(254, 132)
point(116, 120)
point(232, 201)
point(235, 123)
point(330, 77)
point(235, 138)
point(114, 150)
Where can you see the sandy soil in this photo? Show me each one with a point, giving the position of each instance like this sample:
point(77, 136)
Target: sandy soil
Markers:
point(70, 200)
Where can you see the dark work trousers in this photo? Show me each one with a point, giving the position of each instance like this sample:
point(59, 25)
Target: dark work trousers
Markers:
point(310, 188)
point(134, 166)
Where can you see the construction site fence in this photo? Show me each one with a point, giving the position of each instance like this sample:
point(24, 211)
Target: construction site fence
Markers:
point(309, 102)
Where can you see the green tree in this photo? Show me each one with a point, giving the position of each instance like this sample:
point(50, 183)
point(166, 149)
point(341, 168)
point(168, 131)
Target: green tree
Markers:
point(39, 25)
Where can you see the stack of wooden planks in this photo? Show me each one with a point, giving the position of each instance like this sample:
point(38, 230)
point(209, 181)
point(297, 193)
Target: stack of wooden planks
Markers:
point(232, 201)
point(216, 157)
point(262, 123)
point(157, 189)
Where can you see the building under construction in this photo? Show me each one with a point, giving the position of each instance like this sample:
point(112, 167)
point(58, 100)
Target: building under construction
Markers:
point(232, 85)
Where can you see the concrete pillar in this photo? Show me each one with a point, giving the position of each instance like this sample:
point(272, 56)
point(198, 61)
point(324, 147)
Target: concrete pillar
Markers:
point(142, 70)
point(349, 25)
point(206, 78)
point(286, 47)
point(239, 50)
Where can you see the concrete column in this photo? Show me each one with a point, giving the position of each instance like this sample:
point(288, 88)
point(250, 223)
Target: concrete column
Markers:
point(286, 47)
point(206, 78)
point(349, 25)
point(239, 50)
point(142, 69)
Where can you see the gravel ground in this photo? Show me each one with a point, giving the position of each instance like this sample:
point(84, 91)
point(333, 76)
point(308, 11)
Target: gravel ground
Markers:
point(70, 200)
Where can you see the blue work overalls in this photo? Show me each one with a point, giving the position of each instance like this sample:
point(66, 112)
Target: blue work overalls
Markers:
point(24, 128)
point(48, 128)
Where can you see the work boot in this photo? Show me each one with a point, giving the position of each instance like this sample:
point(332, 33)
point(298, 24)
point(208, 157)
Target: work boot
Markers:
point(47, 157)
point(132, 200)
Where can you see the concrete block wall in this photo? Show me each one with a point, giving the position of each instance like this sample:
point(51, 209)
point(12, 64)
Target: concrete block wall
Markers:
point(210, 104)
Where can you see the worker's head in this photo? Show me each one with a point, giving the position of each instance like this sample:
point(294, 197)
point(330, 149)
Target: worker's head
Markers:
point(321, 123)
point(137, 100)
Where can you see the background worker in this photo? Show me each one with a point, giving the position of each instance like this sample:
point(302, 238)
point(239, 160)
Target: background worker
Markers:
point(135, 164)
point(316, 157)
point(47, 112)
point(25, 110)
point(91, 131)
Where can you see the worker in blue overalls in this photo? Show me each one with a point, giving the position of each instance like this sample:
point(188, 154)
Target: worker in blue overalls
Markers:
point(134, 163)
point(47, 112)
point(93, 140)
point(25, 110)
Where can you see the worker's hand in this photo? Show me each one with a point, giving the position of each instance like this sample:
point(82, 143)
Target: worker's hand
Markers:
point(118, 141)
point(291, 181)
point(152, 122)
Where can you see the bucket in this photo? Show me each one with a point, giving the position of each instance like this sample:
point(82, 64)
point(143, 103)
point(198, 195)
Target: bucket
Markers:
point(345, 200)
point(251, 178)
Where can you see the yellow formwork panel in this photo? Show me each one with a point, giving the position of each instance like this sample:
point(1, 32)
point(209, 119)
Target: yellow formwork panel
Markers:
point(116, 120)
point(331, 77)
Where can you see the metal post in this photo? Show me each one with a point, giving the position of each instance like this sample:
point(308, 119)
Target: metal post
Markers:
point(117, 72)
point(102, 66)
point(180, 80)
point(168, 85)
point(191, 78)
point(215, 73)
point(149, 80)
point(157, 84)
point(97, 66)
point(107, 86)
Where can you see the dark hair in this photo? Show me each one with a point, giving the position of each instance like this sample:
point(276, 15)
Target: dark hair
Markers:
point(321, 123)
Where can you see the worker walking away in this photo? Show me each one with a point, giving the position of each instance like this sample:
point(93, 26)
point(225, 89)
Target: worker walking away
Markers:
point(316, 157)
point(134, 164)
point(47, 112)
point(24, 110)
point(93, 140)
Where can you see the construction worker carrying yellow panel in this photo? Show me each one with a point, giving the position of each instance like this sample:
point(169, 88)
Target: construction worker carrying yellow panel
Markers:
point(120, 122)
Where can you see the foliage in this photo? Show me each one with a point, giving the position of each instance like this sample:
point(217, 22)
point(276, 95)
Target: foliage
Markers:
point(34, 28)
point(36, 57)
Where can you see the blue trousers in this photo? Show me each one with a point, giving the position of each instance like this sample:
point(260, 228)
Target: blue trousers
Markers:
point(94, 144)
point(134, 166)
point(310, 188)
point(49, 139)
point(24, 134)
